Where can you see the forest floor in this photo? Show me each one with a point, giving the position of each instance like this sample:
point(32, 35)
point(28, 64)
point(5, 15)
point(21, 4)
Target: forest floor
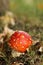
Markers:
point(34, 56)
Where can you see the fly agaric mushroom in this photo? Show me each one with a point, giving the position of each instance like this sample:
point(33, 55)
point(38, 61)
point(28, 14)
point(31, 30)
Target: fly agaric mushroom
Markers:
point(20, 41)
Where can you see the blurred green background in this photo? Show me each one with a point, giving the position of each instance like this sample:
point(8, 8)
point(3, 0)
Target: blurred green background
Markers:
point(28, 15)
point(31, 13)
point(31, 8)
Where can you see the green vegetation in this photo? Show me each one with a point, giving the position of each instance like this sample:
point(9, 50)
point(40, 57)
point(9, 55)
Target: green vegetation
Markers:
point(20, 7)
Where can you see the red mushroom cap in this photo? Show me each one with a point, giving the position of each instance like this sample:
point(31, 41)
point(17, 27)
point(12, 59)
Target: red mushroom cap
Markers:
point(20, 41)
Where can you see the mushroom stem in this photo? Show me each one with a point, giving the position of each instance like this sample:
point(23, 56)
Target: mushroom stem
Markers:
point(16, 53)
